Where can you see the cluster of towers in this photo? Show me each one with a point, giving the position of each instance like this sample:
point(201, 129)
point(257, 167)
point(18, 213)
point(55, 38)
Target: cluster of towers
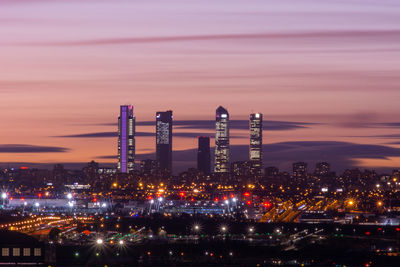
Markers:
point(126, 142)
point(222, 149)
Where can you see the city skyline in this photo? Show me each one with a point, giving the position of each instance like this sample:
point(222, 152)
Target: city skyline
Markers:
point(281, 155)
point(323, 74)
point(200, 132)
point(276, 153)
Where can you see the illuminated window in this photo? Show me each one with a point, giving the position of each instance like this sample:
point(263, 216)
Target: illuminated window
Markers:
point(37, 252)
point(26, 252)
point(5, 252)
point(16, 252)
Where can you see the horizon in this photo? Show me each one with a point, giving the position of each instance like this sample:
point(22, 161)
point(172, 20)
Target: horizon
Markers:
point(279, 154)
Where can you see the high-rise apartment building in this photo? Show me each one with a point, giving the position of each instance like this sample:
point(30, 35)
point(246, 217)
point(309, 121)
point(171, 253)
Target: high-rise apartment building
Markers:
point(203, 155)
point(255, 151)
point(164, 140)
point(126, 139)
point(222, 156)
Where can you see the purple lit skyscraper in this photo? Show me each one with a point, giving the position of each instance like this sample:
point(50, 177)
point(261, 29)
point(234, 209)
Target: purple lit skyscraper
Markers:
point(126, 139)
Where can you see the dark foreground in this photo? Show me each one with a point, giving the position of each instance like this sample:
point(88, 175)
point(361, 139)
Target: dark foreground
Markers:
point(333, 252)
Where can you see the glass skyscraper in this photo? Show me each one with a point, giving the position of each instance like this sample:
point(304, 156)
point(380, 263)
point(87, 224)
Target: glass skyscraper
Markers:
point(164, 140)
point(221, 164)
point(256, 143)
point(126, 139)
point(203, 155)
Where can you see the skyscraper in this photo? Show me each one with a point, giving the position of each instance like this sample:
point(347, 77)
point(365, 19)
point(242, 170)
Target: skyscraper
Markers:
point(221, 141)
point(255, 150)
point(164, 140)
point(126, 139)
point(203, 155)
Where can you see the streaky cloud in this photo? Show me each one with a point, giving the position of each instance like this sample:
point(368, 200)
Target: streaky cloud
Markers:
point(234, 124)
point(137, 134)
point(22, 148)
point(228, 37)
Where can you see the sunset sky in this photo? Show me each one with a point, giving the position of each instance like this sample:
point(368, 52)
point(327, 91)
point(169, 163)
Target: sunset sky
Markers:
point(325, 74)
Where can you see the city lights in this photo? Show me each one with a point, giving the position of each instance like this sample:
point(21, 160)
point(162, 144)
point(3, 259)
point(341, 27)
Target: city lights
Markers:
point(200, 133)
point(224, 229)
point(196, 227)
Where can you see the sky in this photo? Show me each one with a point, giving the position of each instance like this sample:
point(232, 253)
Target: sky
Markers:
point(325, 74)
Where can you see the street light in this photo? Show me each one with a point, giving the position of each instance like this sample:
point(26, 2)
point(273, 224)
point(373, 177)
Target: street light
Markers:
point(37, 206)
point(227, 204)
point(160, 199)
point(251, 230)
point(69, 196)
point(99, 241)
point(121, 242)
point(4, 196)
point(224, 229)
point(25, 204)
point(151, 204)
point(196, 227)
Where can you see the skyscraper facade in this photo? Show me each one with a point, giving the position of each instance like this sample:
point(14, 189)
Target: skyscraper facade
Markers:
point(126, 139)
point(222, 141)
point(255, 150)
point(203, 155)
point(164, 140)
